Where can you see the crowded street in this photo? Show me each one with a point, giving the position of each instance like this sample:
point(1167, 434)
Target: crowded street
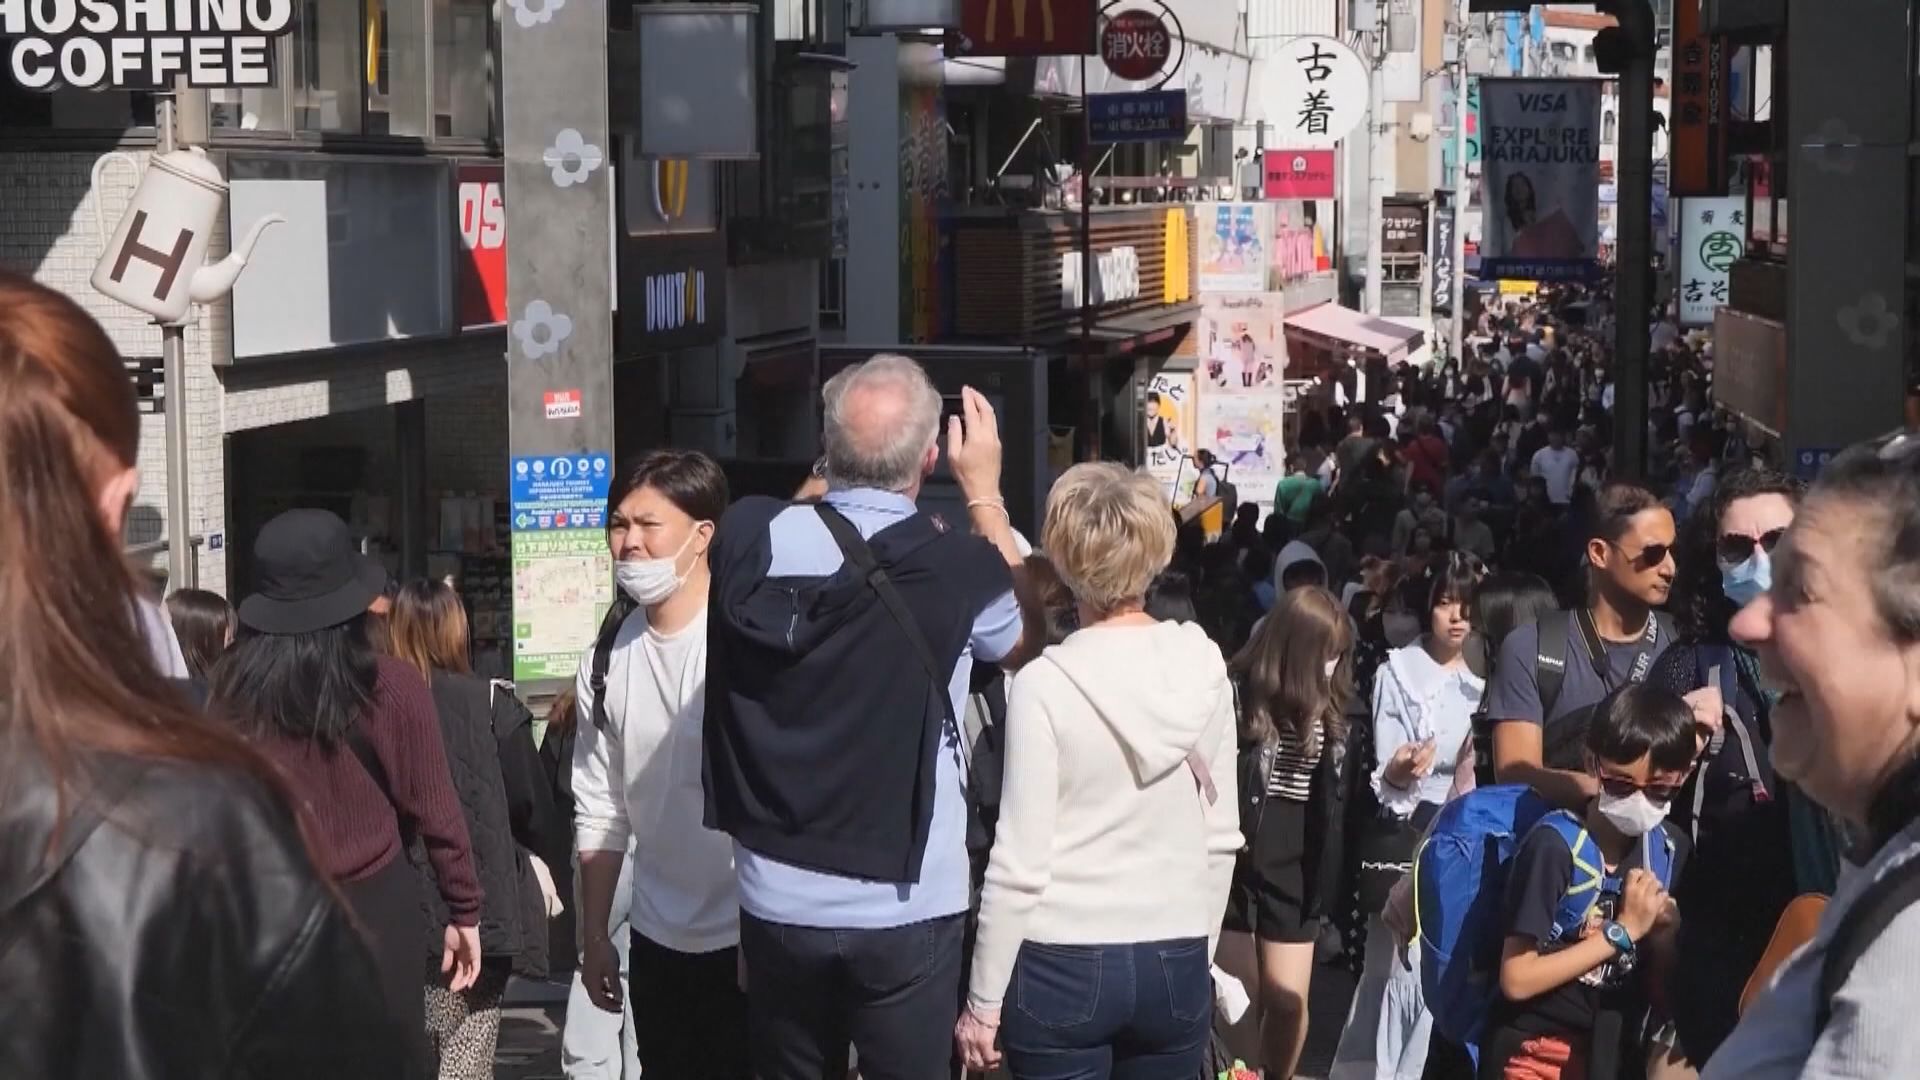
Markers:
point(959, 540)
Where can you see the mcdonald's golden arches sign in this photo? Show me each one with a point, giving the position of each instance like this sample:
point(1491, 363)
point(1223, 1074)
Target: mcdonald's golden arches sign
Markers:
point(1178, 286)
point(1028, 27)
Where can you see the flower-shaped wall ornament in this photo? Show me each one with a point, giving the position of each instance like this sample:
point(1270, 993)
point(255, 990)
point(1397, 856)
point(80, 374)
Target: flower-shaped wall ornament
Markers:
point(1868, 322)
point(531, 13)
point(541, 330)
point(572, 158)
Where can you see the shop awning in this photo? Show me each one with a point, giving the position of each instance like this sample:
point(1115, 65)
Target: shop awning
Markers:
point(1118, 335)
point(1347, 327)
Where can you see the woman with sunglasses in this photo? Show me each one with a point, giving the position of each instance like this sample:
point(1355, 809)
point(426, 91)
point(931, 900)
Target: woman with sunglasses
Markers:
point(1757, 845)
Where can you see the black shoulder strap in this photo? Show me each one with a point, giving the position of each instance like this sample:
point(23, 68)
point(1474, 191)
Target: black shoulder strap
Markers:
point(1880, 904)
point(622, 607)
point(860, 556)
point(1550, 663)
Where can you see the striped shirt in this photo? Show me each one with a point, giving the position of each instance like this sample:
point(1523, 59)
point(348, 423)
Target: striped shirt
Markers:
point(1293, 765)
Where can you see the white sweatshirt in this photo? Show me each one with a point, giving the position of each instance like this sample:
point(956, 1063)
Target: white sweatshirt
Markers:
point(1105, 836)
point(641, 778)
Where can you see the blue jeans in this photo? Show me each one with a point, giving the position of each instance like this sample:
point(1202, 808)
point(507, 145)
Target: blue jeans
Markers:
point(1093, 1012)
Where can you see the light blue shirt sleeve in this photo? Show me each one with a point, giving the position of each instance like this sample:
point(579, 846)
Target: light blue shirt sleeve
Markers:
point(1391, 731)
point(996, 630)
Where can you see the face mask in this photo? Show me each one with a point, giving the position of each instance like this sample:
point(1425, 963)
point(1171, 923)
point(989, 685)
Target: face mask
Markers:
point(651, 581)
point(1633, 815)
point(1332, 666)
point(1744, 582)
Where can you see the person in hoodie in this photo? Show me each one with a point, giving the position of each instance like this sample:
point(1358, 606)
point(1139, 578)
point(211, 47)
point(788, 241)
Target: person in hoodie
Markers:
point(1119, 820)
point(1424, 698)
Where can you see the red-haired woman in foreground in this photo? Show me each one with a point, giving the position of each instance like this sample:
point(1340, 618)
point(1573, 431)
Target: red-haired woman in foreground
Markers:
point(160, 911)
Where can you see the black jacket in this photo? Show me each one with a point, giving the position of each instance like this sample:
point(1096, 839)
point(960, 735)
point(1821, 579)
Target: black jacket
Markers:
point(496, 776)
point(1326, 820)
point(178, 929)
point(822, 726)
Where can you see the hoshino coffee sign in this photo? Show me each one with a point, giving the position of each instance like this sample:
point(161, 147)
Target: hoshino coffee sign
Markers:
point(141, 43)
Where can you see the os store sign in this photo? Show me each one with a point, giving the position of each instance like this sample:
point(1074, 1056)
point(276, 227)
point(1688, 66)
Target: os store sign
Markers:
point(141, 44)
point(1135, 45)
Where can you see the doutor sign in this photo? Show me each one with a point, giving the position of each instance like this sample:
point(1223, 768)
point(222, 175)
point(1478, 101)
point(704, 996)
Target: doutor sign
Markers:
point(1135, 44)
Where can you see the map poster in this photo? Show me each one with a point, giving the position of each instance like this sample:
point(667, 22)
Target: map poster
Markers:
point(562, 587)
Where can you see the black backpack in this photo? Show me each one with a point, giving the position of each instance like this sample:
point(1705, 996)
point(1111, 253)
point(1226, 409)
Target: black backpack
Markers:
point(623, 606)
point(1550, 673)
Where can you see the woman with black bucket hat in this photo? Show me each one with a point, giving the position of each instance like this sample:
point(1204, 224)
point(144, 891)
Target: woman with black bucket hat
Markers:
point(160, 910)
point(358, 737)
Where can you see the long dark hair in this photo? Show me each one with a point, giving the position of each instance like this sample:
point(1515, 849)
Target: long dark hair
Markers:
point(205, 624)
point(1701, 610)
point(1502, 604)
point(1284, 684)
point(308, 686)
point(79, 671)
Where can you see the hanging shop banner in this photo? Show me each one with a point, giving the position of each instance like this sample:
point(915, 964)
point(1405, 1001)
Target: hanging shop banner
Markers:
point(1700, 113)
point(1244, 431)
point(1314, 90)
point(1441, 259)
point(1169, 417)
point(1713, 235)
point(141, 44)
point(557, 576)
point(1403, 228)
point(1242, 342)
point(1299, 174)
point(1141, 116)
point(481, 262)
point(1233, 247)
point(1471, 116)
point(1027, 27)
point(1541, 178)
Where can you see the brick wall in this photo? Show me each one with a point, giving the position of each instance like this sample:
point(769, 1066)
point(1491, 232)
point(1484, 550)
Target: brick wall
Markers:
point(48, 231)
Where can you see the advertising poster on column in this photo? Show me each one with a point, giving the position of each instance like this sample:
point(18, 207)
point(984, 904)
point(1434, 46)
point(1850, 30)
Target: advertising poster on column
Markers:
point(1242, 345)
point(1233, 247)
point(1541, 171)
point(1170, 425)
point(1713, 236)
point(1245, 432)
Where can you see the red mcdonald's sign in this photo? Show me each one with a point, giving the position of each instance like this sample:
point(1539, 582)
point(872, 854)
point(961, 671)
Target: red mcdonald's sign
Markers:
point(1028, 27)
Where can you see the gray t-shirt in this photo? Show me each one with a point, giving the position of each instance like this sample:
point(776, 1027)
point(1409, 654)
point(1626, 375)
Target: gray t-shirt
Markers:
point(1513, 694)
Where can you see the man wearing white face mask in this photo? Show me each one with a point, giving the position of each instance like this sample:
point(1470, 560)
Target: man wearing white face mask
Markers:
point(637, 774)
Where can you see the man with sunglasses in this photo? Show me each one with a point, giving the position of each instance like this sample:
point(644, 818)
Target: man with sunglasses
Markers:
point(1549, 676)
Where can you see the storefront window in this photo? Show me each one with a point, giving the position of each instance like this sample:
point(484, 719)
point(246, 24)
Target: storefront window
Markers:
point(328, 76)
point(396, 45)
point(261, 109)
point(67, 109)
point(463, 69)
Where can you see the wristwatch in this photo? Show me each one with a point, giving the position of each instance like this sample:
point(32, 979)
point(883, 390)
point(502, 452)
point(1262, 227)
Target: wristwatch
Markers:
point(1618, 937)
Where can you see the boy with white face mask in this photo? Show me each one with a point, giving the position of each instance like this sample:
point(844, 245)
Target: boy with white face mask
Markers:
point(1586, 897)
point(638, 777)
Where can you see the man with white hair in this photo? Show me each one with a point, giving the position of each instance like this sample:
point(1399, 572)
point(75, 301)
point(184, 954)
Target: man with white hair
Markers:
point(843, 636)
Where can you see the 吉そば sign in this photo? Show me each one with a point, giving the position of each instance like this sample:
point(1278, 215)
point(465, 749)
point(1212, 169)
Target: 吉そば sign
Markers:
point(1315, 90)
point(1713, 235)
point(89, 44)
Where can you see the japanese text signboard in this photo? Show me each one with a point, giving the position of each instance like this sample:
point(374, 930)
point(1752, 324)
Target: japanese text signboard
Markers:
point(1143, 116)
point(1315, 91)
point(1713, 234)
point(1700, 111)
point(1299, 174)
point(1135, 45)
point(1442, 260)
point(1541, 178)
point(1403, 228)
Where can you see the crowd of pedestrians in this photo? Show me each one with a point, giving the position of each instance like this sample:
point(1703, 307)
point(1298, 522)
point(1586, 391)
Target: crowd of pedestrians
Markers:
point(847, 788)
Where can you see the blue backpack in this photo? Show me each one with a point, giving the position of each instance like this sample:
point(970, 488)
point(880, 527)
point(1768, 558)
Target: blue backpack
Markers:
point(1460, 879)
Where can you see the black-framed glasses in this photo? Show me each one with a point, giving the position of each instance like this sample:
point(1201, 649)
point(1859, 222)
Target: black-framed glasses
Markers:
point(1620, 788)
point(1736, 548)
point(1649, 557)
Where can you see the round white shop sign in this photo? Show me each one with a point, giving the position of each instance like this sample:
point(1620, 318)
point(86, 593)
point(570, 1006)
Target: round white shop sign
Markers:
point(1314, 91)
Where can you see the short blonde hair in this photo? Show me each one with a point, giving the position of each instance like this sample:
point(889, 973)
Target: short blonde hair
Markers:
point(1109, 532)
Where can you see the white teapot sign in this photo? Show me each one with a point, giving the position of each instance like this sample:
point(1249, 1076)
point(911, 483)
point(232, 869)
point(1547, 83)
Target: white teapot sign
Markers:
point(141, 44)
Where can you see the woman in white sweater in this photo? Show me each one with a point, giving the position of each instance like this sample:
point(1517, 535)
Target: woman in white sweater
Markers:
point(1118, 821)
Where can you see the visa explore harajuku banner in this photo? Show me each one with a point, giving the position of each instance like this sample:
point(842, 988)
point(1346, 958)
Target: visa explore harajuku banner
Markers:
point(1540, 160)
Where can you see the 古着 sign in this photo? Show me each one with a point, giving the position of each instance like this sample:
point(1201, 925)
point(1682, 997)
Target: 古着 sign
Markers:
point(1315, 90)
point(1713, 235)
point(89, 44)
